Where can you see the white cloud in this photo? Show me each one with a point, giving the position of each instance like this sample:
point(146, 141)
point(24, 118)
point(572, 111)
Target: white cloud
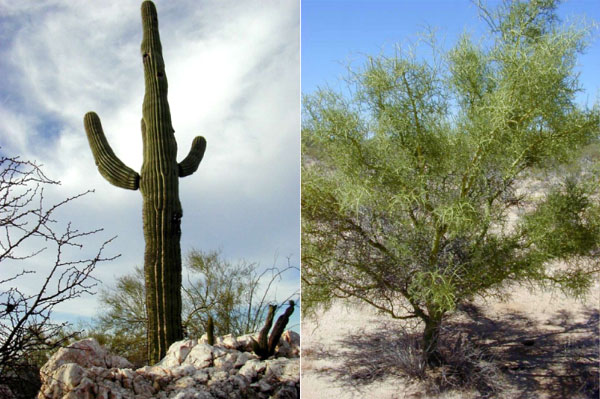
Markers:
point(233, 70)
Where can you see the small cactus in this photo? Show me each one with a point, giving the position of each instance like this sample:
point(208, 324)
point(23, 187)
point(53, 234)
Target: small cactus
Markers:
point(265, 346)
point(158, 182)
point(210, 331)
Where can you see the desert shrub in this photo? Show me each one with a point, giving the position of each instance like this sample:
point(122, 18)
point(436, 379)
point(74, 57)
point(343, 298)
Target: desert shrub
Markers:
point(411, 173)
point(234, 295)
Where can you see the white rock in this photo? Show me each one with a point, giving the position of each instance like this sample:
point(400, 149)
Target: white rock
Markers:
point(200, 356)
point(190, 370)
point(177, 353)
point(223, 363)
point(183, 370)
point(191, 394)
point(86, 353)
point(245, 342)
point(242, 358)
point(230, 342)
point(201, 376)
point(275, 368)
point(185, 382)
point(88, 386)
point(70, 374)
point(219, 376)
point(154, 370)
point(291, 371)
point(251, 369)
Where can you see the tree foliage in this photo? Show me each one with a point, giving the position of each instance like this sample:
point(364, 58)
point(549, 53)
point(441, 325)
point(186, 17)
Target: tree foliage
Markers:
point(410, 177)
point(121, 323)
point(235, 295)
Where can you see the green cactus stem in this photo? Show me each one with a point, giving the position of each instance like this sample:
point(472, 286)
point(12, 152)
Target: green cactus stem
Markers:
point(210, 331)
point(279, 327)
point(265, 346)
point(261, 347)
point(158, 182)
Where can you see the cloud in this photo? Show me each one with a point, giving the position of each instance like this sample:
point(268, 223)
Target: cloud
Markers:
point(233, 70)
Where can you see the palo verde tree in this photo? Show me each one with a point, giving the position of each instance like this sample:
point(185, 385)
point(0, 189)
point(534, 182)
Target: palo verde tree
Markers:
point(159, 184)
point(234, 297)
point(409, 177)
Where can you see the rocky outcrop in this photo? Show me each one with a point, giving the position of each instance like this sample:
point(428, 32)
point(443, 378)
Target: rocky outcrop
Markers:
point(192, 369)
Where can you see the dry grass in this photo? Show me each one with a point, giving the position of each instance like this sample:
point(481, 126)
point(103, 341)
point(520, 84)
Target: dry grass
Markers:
point(395, 351)
point(533, 347)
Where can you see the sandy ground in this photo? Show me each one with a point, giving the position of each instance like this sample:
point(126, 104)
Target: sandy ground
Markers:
point(543, 345)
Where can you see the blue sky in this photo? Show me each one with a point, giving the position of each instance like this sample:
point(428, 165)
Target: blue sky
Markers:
point(233, 69)
point(338, 32)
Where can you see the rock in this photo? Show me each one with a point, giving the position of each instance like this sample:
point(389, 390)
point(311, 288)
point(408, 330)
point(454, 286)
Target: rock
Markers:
point(286, 392)
point(192, 369)
point(245, 342)
point(251, 369)
point(242, 358)
point(177, 353)
point(262, 385)
point(289, 345)
point(203, 355)
point(70, 374)
point(201, 377)
point(239, 381)
point(292, 338)
point(86, 353)
point(229, 342)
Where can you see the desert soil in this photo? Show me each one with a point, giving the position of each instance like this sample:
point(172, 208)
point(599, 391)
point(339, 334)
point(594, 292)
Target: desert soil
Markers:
point(542, 344)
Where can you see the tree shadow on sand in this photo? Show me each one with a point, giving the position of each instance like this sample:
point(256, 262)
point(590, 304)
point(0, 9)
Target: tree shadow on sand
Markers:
point(513, 356)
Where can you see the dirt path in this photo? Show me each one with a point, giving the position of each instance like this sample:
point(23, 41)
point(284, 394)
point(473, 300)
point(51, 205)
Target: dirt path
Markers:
point(542, 345)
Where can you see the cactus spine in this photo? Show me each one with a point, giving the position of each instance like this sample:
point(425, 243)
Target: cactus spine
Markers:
point(158, 182)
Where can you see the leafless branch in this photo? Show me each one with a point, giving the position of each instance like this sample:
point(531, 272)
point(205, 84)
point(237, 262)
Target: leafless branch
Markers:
point(28, 228)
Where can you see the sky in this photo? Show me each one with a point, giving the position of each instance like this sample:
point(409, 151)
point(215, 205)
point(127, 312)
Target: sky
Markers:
point(340, 33)
point(234, 77)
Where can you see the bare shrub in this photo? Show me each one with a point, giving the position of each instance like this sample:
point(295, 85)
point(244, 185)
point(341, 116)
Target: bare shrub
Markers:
point(467, 366)
point(35, 248)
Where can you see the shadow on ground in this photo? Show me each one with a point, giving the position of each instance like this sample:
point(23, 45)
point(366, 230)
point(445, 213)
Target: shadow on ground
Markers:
point(514, 356)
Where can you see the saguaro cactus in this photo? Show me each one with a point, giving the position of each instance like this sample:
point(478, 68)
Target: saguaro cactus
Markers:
point(159, 184)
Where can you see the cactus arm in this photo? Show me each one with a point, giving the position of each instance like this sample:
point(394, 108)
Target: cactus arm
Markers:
point(279, 326)
point(190, 163)
point(261, 347)
point(109, 165)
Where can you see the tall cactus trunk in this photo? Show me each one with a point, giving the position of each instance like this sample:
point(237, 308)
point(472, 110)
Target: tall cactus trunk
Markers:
point(159, 185)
